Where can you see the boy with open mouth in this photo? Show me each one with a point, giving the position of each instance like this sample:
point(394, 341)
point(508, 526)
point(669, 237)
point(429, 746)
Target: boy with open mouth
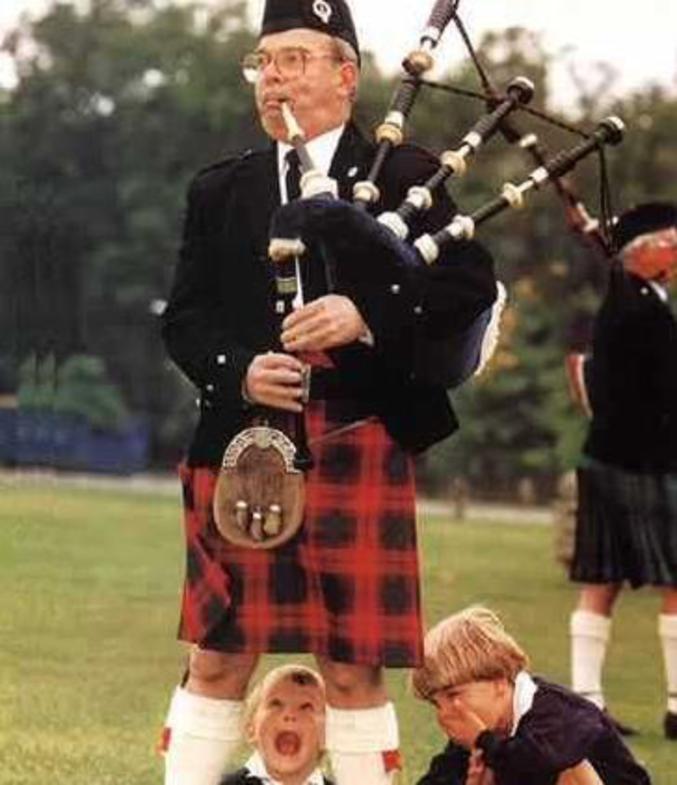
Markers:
point(284, 720)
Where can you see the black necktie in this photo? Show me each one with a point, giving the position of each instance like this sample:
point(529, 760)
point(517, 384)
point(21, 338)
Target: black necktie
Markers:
point(293, 176)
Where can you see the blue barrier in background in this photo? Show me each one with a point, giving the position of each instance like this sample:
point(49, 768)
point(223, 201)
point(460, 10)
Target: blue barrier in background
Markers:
point(43, 438)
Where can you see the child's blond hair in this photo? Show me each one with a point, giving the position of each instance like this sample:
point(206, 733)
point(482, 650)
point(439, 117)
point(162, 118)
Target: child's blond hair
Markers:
point(297, 674)
point(471, 645)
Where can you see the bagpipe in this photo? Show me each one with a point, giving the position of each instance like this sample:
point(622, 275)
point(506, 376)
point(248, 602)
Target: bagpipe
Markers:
point(260, 493)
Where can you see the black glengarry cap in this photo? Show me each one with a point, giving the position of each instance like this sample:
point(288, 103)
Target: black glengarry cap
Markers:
point(332, 17)
point(644, 219)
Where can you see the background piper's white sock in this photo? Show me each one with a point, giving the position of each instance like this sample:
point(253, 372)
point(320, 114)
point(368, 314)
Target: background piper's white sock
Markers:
point(667, 630)
point(589, 639)
point(363, 745)
point(202, 736)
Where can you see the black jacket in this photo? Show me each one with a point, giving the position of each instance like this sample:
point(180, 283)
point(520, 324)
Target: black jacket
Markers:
point(220, 311)
point(633, 379)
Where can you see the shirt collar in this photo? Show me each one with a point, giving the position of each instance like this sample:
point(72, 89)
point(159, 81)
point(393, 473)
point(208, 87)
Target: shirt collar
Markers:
point(257, 768)
point(321, 149)
point(523, 698)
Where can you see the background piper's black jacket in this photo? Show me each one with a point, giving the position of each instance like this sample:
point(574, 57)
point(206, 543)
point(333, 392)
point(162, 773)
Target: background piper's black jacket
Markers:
point(559, 731)
point(220, 310)
point(633, 379)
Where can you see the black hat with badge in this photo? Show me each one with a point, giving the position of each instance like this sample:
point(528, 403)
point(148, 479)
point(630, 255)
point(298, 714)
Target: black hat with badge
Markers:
point(332, 17)
point(644, 219)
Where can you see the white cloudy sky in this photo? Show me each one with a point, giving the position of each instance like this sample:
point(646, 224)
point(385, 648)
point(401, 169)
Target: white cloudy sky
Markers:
point(638, 39)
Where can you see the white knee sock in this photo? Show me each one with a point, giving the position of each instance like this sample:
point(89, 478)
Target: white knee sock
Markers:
point(589, 639)
point(667, 630)
point(363, 745)
point(201, 736)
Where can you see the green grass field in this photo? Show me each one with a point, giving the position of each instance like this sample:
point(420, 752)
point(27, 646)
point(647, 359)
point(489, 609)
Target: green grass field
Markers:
point(90, 585)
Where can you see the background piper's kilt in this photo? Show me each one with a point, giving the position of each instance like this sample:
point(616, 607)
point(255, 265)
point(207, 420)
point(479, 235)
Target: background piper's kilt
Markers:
point(345, 587)
point(626, 527)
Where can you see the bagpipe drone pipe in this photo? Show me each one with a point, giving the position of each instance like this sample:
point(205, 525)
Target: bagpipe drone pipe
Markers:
point(373, 257)
point(594, 233)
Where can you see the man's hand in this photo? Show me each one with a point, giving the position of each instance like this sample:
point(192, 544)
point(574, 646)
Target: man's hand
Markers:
point(275, 380)
point(328, 322)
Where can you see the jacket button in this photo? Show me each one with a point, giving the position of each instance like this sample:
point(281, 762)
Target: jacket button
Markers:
point(221, 359)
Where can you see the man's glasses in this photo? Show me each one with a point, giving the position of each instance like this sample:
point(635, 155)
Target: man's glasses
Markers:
point(290, 62)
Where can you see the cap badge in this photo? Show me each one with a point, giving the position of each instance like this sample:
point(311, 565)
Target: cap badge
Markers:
point(323, 10)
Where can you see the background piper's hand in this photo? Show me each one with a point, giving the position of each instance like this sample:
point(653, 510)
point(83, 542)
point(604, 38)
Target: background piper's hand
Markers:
point(325, 323)
point(274, 380)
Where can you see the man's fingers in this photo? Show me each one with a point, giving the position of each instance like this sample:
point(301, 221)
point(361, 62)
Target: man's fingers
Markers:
point(280, 376)
point(321, 332)
point(281, 397)
point(304, 313)
point(276, 380)
point(288, 398)
point(277, 360)
point(323, 338)
point(279, 384)
point(328, 322)
point(306, 329)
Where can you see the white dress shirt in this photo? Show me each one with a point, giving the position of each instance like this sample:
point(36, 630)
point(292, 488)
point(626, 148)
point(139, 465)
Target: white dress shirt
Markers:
point(522, 699)
point(321, 150)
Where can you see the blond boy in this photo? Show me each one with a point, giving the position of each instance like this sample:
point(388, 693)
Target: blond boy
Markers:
point(505, 726)
point(284, 720)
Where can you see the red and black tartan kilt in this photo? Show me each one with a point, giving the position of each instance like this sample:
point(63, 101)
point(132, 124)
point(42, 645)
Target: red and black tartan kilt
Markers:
point(345, 587)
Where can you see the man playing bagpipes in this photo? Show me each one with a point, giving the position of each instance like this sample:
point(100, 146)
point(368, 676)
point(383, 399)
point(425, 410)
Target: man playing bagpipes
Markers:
point(627, 481)
point(345, 586)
